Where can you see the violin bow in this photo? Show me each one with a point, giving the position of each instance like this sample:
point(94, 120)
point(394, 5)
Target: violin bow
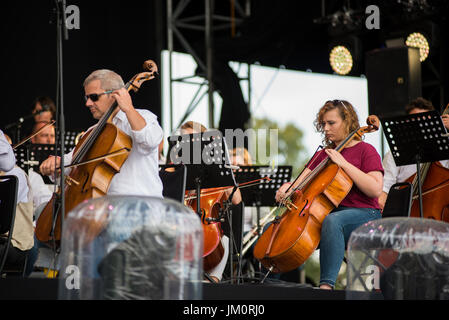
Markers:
point(241, 186)
point(32, 135)
point(112, 154)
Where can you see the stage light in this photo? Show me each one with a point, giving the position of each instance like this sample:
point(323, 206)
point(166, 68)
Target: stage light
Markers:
point(341, 60)
point(417, 40)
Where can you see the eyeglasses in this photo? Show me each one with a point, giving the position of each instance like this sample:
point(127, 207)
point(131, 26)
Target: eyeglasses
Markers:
point(95, 96)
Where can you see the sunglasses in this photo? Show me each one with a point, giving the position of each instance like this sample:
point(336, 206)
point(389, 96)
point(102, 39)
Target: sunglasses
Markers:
point(95, 96)
point(337, 102)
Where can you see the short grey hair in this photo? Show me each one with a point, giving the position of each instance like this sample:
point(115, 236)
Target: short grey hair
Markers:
point(109, 80)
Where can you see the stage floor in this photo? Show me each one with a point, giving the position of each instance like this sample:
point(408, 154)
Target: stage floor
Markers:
point(47, 289)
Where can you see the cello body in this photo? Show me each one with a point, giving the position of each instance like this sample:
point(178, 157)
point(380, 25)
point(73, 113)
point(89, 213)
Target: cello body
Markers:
point(296, 232)
point(88, 181)
point(210, 205)
point(289, 242)
point(435, 203)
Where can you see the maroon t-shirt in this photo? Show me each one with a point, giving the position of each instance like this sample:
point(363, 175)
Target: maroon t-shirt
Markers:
point(365, 157)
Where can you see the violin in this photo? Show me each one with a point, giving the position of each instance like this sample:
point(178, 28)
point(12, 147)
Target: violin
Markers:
point(97, 157)
point(295, 233)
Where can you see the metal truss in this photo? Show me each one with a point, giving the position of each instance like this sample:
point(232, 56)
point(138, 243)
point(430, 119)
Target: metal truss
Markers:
point(205, 23)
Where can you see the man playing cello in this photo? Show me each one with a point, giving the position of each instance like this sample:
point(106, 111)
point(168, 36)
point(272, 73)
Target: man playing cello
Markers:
point(139, 174)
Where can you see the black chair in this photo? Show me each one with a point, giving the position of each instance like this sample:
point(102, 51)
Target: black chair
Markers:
point(398, 204)
point(173, 181)
point(8, 202)
point(399, 200)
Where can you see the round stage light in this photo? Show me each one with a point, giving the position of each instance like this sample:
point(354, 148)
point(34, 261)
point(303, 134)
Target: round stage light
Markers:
point(340, 59)
point(417, 40)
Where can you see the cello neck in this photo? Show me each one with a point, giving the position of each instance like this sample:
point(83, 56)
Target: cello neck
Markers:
point(326, 161)
point(107, 117)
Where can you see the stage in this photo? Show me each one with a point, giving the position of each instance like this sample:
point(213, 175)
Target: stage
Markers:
point(47, 289)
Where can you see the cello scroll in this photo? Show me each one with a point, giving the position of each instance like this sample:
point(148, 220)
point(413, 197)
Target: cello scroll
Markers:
point(138, 79)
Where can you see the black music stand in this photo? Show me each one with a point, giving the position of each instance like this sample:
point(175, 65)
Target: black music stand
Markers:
point(206, 159)
point(30, 156)
point(415, 139)
point(263, 194)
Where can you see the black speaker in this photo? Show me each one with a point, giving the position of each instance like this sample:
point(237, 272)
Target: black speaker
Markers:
point(394, 79)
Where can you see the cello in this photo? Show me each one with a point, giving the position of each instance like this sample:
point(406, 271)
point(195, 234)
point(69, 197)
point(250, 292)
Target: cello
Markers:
point(435, 190)
point(211, 202)
point(295, 233)
point(97, 157)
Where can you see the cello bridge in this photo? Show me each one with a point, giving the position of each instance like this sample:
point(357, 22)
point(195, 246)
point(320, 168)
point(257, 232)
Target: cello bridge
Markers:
point(289, 204)
point(70, 180)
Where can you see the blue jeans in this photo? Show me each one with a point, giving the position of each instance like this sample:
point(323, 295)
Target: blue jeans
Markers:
point(335, 232)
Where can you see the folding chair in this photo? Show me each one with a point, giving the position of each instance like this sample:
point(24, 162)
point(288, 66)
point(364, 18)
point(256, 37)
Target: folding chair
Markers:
point(399, 200)
point(8, 203)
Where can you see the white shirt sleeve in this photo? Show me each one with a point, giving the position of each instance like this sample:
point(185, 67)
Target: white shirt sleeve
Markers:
point(67, 161)
point(7, 158)
point(391, 171)
point(41, 192)
point(148, 138)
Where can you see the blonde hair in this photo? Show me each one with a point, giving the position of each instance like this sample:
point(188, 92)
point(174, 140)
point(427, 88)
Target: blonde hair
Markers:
point(242, 152)
point(346, 112)
point(195, 126)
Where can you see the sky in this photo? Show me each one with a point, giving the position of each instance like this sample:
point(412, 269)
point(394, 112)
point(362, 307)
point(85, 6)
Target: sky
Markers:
point(276, 93)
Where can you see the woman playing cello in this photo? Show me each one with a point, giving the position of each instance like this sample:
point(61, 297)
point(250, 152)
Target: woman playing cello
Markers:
point(361, 162)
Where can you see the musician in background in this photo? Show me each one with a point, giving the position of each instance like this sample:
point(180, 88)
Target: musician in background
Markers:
point(42, 192)
point(241, 157)
point(44, 109)
point(23, 233)
point(361, 162)
point(139, 174)
point(394, 174)
point(217, 272)
point(46, 136)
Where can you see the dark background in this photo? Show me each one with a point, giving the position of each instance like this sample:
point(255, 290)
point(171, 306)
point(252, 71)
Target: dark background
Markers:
point(113, 35)
point(121, 35)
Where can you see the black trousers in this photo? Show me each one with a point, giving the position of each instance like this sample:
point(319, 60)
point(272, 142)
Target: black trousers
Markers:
point(15, 258)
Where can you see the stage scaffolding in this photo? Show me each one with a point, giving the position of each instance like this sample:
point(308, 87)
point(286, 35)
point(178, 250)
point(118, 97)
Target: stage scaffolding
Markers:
point(203, 22)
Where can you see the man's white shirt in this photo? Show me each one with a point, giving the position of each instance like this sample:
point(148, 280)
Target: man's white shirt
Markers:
point(139, 175)
point(394, 174)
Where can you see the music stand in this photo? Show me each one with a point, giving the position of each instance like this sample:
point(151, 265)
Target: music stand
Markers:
point(30, 156)
point(262, 194)
point(415, 139)
point(206, 159)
